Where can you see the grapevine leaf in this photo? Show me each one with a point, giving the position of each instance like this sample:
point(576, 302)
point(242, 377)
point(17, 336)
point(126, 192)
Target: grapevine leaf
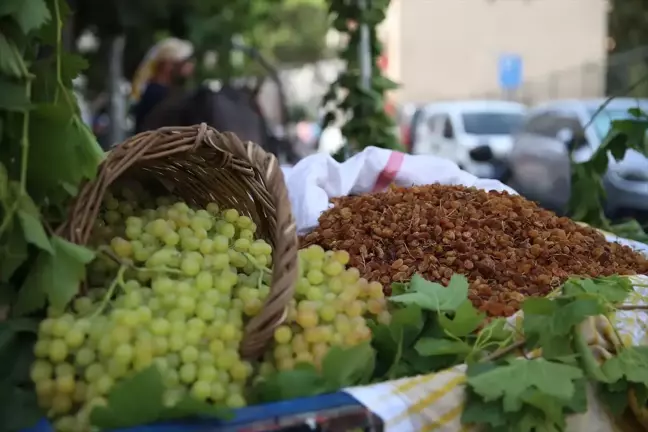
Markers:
point(390, 340)
point(11, 62)
point(56, 133)
point(631, 364)
point(614, 289)
point(13, 254)
point(434, 347)
point(303, 381)
point(49, 32)
point(189, 407)
point(551, 408)
point(29, 14)
point(510, 382)
point(71, 66)
point(477, 411)
point(433, 296)
point(29, 218)
point(615, 399)
point(134, 402)
point(346, 367)
point(14, 95)
point(466, 320)
point(55, 277)
point(498, 330)
point(555, 319)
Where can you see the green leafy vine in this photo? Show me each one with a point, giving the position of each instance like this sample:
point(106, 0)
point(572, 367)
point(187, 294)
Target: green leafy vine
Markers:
point(587, 191)
point(45, 153)
point(360, 109)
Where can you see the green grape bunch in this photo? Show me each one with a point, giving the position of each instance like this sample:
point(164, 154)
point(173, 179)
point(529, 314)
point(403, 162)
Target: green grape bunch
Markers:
point(174, 289)
point(330, 308)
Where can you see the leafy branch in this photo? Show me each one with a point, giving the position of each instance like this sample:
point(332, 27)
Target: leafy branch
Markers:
point(362, 110)
point(39, 124)
point(588, 192)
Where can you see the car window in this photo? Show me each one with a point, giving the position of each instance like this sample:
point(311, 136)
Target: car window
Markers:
point(602, 122)
point(434, 124)
point(448, 129)
point(547, 124)
point(538, 124)
point(491, 123)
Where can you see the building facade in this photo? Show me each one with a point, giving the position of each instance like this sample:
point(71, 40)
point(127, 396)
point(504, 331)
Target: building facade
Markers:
point(452, 49)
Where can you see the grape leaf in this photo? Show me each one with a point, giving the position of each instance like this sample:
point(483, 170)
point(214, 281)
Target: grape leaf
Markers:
point(11, 62)
point(55, 277)
point(511, 381)
point(433, 296)
point(466, 320)
point(29, 14)
point(14, 96)
point(347, 367)
point(190, 407)
point(29, 217)
point(557, 318)
point(434, 347)
point(58, 134)
point(631, 365)
point(303, 381)
point(390, 340)
point(135, 401)
point(614, 289)
point(13, 253)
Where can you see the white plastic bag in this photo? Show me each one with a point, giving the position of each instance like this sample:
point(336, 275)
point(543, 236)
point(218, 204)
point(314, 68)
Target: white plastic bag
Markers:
point(318, 178)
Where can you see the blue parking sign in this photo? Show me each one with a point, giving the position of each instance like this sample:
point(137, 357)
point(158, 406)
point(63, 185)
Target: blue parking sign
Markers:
point(510, 71)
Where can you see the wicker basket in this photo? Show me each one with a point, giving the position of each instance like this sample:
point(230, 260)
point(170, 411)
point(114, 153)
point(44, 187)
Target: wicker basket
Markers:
point(640, 412)
point(202, 165)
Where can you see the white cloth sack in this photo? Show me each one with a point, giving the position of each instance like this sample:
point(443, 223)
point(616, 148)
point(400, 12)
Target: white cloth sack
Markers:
point(318, 178)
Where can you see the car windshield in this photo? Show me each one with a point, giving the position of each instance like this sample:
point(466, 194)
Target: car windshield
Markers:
point(491, 123)
point(603, 120)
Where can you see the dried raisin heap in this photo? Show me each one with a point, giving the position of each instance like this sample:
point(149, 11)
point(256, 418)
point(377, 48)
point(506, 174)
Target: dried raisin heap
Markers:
point(507, 246)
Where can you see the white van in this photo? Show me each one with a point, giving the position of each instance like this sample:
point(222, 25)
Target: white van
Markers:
point(451, 129)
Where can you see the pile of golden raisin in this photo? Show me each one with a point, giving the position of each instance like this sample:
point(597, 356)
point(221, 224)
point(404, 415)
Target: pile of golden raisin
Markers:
point(506, 245)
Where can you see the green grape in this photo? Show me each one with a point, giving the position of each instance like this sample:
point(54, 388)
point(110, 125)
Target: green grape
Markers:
point(122, 247)
point(41, 348)
point(190, 267)
point(188, 373)
point(201, 390)
point(227, 230)
point(231, 215)
point(58, 351)
point(85, 356)
point(123, 353)
point(41, 370)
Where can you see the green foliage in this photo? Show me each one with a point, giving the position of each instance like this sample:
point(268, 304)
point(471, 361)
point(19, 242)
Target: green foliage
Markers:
point(139, 400)
point(46, 152)
point(435, 327)
point(366, 123)
point(587, 191)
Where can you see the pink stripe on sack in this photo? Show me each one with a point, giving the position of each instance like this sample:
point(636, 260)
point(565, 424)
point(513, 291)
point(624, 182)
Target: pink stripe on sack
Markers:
point(388, 174)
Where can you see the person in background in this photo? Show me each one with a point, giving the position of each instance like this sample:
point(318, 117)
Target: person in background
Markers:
point(167, 65)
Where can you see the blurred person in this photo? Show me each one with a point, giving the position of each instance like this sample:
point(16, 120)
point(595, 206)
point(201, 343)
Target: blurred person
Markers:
point(166, 66)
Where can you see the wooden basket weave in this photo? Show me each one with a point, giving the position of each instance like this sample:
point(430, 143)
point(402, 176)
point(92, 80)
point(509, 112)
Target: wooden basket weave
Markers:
point(640, 412)
point(202, 165)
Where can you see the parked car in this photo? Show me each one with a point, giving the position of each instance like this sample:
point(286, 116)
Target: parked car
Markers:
point(540, 158)
point(404, 119)
point(451, 129)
